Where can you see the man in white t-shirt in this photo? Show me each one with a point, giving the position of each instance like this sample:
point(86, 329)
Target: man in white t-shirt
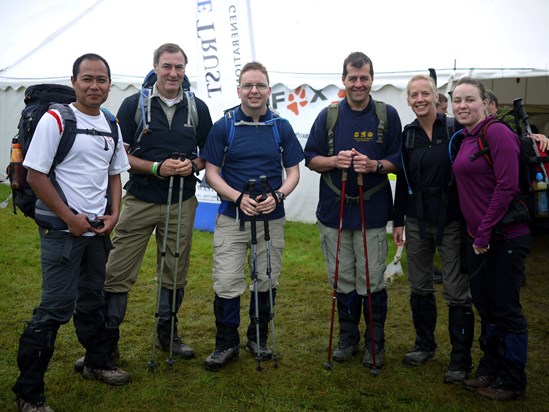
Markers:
point(74, 259)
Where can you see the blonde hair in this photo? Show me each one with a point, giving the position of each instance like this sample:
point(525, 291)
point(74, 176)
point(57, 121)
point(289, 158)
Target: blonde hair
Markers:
point(422, 77)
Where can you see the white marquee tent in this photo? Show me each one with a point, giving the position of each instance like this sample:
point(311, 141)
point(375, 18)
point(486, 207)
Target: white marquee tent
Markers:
point(303, 45)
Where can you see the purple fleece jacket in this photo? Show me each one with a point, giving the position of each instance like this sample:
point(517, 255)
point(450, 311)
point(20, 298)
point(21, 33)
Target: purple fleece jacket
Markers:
point(485, 192)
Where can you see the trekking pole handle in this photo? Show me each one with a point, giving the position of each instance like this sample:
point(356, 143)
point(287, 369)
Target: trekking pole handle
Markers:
point(360, 180)
point(178, 156)
point(251, 188)
point(344, 175)
point(518, 105)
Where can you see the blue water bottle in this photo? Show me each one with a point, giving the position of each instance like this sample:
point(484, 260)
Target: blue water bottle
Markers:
point(540, 193)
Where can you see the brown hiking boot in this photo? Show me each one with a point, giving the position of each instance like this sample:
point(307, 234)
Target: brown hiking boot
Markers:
point(113, 376)
point(24, 406)
point(500, 394)
point(479, 382)
point(79, 363)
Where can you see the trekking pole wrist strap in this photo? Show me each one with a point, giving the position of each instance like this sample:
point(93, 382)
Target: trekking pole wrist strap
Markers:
point(195, 167)
point(239, 199)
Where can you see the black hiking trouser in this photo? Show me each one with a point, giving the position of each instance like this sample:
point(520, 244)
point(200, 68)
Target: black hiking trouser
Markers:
point(495, 278)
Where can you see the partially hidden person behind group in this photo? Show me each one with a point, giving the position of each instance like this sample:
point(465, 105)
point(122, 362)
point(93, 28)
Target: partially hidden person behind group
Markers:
point(426, 203)
point(499, 112)
point(74, 255)
point(495, 251)
point(442, 103)
point(154, 168)
point(249, 142)
point(366, 140)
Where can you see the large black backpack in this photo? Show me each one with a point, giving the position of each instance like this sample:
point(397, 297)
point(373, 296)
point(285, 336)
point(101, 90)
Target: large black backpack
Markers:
point(38, 100)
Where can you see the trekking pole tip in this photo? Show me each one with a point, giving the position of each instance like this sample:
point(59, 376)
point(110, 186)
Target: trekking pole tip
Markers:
point(374, 372)
point(328, 365)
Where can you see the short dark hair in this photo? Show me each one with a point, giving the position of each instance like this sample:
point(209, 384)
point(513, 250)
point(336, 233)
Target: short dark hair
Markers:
point(168, 48)
point(88, 56)
point(491, 97)
point(473, 82)
point(357, 60)
point(253, 66)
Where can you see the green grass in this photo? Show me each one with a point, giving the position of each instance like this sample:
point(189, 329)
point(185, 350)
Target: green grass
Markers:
point(301, 383)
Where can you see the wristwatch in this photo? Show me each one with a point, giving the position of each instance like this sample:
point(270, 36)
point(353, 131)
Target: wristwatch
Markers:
point(379, 169)
point(280, 197)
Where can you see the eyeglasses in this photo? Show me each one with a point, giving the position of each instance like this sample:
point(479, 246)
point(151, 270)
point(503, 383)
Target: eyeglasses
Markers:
point(247, 87)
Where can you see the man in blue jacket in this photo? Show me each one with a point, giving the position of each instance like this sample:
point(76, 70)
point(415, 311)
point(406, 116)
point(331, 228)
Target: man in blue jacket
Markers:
point(249, 142)
point(361, 145)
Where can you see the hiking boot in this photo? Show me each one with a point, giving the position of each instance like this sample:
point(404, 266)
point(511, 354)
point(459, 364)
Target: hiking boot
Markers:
point(265, 353)
point(79, 364)
point(479, 382)
point(418, 357)
point(344, 353)
point(178, 348)
point(219, 358)
point(456, 376)
point(368, 360)
point(24, 406)
point(500, 394)
point(113, 376)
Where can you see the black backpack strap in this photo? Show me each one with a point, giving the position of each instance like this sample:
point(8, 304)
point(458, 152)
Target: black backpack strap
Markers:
point(43, 216)
point(410, 138)
point(484, 150)
point(69, 132)
point(113, 124)
point(409, 141)
point(450, 126)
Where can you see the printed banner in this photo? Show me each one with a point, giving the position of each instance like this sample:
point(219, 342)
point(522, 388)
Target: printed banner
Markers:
point(225, 44)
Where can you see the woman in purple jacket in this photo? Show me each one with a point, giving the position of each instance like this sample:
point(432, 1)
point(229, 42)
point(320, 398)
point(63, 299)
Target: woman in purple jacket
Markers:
point(495, 251)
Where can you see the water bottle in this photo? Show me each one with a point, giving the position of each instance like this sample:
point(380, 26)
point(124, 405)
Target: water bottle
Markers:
point(540, 193)
point(17, 172)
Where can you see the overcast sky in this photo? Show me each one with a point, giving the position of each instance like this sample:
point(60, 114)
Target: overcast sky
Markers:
point(305, 36)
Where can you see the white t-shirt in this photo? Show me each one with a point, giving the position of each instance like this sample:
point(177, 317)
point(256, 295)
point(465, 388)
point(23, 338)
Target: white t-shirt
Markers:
point(82, 175)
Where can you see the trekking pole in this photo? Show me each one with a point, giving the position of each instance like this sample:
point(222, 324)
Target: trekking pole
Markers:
point(253, 223)
point(374, 370)
point(328, 364)
point(263, 181)
point(152, 363)
point(169, 361)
